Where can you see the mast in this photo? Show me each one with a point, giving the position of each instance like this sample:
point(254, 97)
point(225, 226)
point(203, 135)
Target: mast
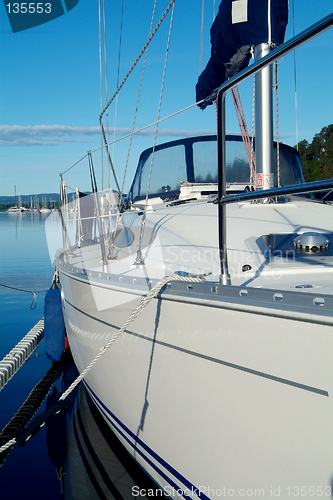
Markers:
point(264, 144)
point(264, 122)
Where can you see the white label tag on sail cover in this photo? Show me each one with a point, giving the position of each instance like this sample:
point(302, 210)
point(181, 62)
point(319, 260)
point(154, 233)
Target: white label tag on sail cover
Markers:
point(239, 11)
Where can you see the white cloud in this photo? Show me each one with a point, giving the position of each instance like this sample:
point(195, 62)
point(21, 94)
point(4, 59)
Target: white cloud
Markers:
point(52, 135)
point(44, 135)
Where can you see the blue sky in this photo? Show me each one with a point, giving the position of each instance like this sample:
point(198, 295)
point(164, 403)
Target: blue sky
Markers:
point(50, 87)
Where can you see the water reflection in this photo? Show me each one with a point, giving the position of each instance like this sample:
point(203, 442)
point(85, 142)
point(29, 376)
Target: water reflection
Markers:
point(97, 465)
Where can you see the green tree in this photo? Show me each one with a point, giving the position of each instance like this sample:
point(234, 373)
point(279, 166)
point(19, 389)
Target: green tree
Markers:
point(317, 157)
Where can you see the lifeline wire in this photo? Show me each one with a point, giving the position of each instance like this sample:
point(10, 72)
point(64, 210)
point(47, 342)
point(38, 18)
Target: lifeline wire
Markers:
point(137, 131)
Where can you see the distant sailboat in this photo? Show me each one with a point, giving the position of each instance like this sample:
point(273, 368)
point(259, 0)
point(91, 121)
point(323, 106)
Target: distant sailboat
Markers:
point(16, 208)
point(44, 209)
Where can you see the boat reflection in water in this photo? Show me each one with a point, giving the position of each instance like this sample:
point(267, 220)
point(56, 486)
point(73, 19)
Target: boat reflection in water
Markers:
point(97, 465)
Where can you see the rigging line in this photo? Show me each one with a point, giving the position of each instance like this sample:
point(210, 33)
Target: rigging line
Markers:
point(202, 37)
point(243, 127)
point(140, 54)
point(105, 69)
point(137, 131)
point(100, 53)
point(253, 155)
point(143, 222)
point(122, 83)
point(138, 99)
point(148, 126)
point(111, 251)
point(276, 86)
point(74, 164)
point(119, 202)
point(118, 72)
point(105, 77)
point(100, 71)
point(295, 82)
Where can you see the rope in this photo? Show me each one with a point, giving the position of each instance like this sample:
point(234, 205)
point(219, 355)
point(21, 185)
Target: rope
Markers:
point(137, 102)
point(118, 74)
point(243, 128)
point(114, 230)
point(137, 131)
point(135, 313)
point(295, 74)
point(123, 82)
point(143, 221)
point(253, 159)
point(276, 86)
point(139, 56)
point(202, 37)
point(105, 73)
point(100, 76)
point(28, 409)
point(17, 356)
point(34, 301)
point(100, 71)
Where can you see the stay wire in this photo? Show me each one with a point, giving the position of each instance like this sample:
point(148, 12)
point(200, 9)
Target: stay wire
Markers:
point(138, 99)
point(118, 73)
point(114, 230)
point(143, 222)
point(202, 37)
point(295, 79)
point(121, 85)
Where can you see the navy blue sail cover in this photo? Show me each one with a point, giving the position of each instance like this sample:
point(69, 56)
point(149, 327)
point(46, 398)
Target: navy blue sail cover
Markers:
point(239, 25)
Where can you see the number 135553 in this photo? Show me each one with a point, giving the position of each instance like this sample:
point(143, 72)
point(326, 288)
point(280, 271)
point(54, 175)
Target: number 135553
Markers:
point(29, 8)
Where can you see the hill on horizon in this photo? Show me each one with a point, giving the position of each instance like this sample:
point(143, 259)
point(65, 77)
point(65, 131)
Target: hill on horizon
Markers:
point(27, 199)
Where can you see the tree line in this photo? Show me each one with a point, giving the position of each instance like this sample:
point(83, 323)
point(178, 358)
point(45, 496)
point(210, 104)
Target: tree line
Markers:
point(317, 156)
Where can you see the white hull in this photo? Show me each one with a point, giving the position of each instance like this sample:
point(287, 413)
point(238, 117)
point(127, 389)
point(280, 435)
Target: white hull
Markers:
point(212, 392)
point(16, 210)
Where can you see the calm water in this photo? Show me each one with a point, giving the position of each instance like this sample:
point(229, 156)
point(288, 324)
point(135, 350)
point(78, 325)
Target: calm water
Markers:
point(97, 466)
point(25, 264)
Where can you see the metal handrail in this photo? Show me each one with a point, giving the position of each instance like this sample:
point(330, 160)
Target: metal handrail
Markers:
point(220, 95)
point(279, 191)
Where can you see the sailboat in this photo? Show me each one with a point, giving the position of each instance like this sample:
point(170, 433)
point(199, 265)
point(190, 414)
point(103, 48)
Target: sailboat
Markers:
point(16, 208)
point(201, 311)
